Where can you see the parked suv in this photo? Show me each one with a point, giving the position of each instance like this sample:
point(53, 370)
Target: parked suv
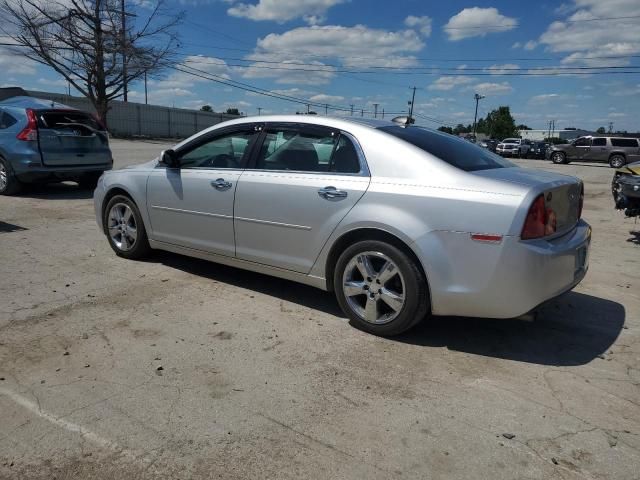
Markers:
point(44, 141)
point(513, 147)
point(618, 151)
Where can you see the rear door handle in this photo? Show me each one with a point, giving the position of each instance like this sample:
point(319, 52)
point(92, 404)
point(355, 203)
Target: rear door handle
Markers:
point(330, 193)
point(221, 184)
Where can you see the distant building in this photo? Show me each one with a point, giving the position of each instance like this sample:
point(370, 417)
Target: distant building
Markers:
point(537, 135)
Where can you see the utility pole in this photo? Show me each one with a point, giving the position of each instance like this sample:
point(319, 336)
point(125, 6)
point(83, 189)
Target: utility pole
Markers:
point(124, 50)
point(308, 108)
point(259, 110)
point(475, 118)
point(145, 88)
point(413, 99)
point(362, 112)
point(549, 136)
point(610, 127)
point(383, 113)
point(375, 110)
point(553, 128)
point(326, 109)
point(352, 105)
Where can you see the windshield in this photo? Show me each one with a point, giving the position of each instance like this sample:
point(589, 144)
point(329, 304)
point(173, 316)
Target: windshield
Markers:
point(459, 153)
point(511, 140)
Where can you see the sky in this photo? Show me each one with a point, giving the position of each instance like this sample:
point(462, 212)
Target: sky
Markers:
point(547, 60)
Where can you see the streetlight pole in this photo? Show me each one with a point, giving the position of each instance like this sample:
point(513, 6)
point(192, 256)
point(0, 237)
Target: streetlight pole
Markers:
point(259, 110)
point(475, 118)
point(375, 109)
point(413, 99)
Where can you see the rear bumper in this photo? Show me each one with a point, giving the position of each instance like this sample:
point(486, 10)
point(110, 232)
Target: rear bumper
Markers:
point(505, 280)
point(39, 173)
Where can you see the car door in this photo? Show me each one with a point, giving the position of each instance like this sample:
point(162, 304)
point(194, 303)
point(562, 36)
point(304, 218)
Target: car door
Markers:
point(301, 183)
point(598, 151)
point(192, 206)
point(581, 148)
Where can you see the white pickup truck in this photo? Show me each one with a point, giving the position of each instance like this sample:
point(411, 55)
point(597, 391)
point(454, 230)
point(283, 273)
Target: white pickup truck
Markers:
point(513, 147)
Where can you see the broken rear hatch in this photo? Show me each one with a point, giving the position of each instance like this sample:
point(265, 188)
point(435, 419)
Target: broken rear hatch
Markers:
point(72, 138)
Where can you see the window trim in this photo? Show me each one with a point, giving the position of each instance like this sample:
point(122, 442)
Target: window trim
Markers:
point(314, 128)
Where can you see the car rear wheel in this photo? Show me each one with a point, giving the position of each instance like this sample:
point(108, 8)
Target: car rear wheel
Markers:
point(617, 161)
point(380, 288)
point(89, 180)
point(125, 229)
point(558, 158)
point(9, 184)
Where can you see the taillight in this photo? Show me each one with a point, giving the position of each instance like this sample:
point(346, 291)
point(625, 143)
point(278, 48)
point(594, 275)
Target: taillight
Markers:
point(581, 204)
point(30, 132)
point(540, 221)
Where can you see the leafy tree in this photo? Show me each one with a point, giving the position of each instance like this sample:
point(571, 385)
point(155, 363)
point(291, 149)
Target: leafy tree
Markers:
point(233, 111)
point(446, 129)
point(91, 43)
point(601, 130)
point(206, 108)
point(523, 127)
point(501, 123)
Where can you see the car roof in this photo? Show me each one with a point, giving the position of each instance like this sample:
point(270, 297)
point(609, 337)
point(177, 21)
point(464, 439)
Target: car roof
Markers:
point(31, 102)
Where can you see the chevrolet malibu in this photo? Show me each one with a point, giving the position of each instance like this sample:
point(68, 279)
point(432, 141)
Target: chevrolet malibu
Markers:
point(401, 222)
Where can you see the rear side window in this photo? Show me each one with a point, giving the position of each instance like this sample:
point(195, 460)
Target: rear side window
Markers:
point(67, 119)
point(459, 153)
point(6, 120)
point(307, 151)
point(599, 142)
point(624, 142)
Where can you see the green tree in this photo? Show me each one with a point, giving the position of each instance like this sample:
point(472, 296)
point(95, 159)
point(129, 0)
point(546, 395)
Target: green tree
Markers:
point(206, 108)
point(233, 111)
point(446, 129)
point(522, 127)
point(501, 123)
point(601, 130)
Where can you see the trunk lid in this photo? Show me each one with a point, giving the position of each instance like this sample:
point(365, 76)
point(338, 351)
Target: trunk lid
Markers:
point(71, 138)
point(561, 192)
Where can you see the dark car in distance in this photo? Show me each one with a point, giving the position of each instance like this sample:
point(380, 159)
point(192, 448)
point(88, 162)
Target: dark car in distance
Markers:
point(538, 150)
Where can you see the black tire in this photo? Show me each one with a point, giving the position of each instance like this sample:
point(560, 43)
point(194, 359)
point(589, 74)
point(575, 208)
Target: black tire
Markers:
point(416, 304)
point(559, 158)
point(10, 185)
point(140, 247)
point(89, 180)
point(617, 161)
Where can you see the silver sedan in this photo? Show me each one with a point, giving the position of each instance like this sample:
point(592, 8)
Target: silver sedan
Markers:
point(401, 222)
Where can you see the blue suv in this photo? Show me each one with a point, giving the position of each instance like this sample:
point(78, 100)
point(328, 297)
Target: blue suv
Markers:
point(43, 141)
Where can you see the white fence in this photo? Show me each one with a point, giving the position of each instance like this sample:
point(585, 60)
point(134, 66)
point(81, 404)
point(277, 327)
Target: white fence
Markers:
point(136, 119)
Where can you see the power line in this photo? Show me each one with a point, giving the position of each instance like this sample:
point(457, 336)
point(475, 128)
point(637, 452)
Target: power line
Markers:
point(515, 24)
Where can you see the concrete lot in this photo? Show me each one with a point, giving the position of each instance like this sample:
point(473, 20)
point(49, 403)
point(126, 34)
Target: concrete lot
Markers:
point(263, 378)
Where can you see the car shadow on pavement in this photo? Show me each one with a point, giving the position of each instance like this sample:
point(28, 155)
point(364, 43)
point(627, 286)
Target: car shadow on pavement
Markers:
point(255, 282)
point(635, 237)
point(56, 191)
point(571, 330)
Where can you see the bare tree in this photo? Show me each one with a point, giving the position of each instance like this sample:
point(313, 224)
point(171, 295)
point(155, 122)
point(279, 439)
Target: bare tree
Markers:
point(98, 46)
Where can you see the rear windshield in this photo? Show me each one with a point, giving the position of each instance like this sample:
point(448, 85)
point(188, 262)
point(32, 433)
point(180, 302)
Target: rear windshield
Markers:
point(459, 153)
point(624, 142)
point(60, 119)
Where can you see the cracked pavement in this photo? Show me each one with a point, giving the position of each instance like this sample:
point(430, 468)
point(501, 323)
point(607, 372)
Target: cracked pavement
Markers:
point(264, 378)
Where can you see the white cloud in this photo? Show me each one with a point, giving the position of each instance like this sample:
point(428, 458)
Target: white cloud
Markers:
point(530, 45)
point(501, 69)
point(516, 45)
point(490, 89)
point(545, 97)
point(447, 83)
point(12, 63)
point(199, 65)
point(312, 11)
point(323, 98)
point(626, 91)
point(617, 115)
point(422, 24)
point(478, 22)
point(579, 36)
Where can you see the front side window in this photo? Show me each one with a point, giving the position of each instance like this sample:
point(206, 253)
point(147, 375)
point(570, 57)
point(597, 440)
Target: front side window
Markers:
point(226, 151)
point(599, 142)
point(307, 151)
point(582, 142)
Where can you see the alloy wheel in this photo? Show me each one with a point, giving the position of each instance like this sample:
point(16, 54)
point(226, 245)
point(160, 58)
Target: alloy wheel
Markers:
point(3, 177)
point(122, 226)
point(374, 287)
point(557, 158)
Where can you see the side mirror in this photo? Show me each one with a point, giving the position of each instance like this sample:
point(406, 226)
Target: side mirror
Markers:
point(169, 158)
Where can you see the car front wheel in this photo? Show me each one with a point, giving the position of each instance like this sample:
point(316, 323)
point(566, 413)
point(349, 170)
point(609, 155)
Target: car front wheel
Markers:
point(380, 288)
point(558, 158)
point(9, 184)
point(125, 229)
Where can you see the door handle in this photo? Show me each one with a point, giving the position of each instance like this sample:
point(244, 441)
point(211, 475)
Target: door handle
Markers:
point(221, 184)
point(330, 193)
